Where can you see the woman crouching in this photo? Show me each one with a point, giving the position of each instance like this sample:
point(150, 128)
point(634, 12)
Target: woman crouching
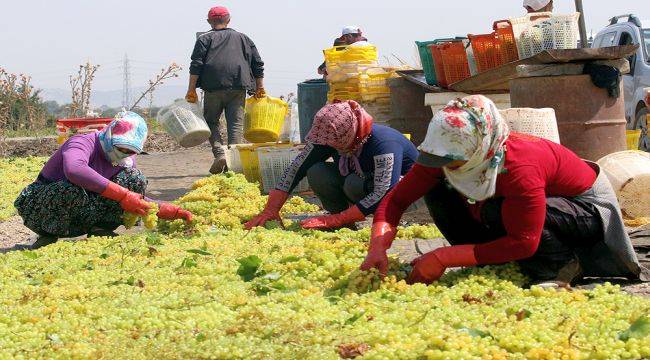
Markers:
point(88, 184)
point(499, 197)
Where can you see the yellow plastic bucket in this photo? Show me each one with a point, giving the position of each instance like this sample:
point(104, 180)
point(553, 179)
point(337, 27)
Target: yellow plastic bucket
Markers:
point(263, 119)
point(250, 161)
point(633, 137)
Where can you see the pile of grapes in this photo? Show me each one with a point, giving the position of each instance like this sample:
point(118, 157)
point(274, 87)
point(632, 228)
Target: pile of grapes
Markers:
point(15, 174)
point(214, 290)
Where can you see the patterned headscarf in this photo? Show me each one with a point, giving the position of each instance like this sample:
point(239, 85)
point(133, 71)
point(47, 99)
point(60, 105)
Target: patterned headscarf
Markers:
point(129, 131)
point(470, 129)
point(344, 126)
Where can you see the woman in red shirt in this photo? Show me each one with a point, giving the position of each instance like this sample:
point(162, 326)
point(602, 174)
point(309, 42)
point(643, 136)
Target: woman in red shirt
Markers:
point(499, 197)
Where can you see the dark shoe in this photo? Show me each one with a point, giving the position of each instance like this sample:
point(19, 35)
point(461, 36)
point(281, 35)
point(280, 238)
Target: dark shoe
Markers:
point(219, 166)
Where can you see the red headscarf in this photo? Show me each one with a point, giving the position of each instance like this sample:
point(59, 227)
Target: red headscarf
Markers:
point(344, 126)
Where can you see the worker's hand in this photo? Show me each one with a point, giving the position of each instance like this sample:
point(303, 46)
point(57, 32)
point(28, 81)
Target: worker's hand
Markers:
point(426, 269)
point(377, 259)
point(260, 93)
point(335, 221)
point(134, 203)
point(381, 238)
point(129, 201)
point(191, 96)
point(169, 211)
point(271, 211)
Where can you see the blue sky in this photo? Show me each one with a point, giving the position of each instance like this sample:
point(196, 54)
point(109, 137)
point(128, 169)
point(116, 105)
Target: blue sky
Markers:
point(47, 39)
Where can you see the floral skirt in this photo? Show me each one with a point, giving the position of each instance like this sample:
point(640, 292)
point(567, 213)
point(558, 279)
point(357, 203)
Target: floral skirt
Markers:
point(62, 209)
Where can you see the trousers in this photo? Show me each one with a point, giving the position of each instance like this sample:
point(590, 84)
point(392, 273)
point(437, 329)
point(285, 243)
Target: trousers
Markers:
point(570, 225)
point(335, 191)
point(232, 102)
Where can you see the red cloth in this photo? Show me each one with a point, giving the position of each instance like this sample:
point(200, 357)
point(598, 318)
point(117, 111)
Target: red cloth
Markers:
point(218, 11)
point(534, 169)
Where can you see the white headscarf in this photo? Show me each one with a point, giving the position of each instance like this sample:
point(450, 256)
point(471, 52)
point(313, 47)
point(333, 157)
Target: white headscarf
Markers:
point(469, 129)
point(536, 5)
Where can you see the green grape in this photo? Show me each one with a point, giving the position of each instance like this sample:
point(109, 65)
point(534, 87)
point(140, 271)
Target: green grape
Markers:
point(150, 220)
point(215, 290)
point(15, 174)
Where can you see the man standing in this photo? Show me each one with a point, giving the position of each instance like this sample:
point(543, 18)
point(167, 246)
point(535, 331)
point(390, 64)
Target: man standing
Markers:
point(350, 36)
point(226, 65)
point(535, 6)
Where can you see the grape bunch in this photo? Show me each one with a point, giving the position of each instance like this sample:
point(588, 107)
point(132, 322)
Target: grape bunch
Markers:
point(16, 174)
point(150, 220)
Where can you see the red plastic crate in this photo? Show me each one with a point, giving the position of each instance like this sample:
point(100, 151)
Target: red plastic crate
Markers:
point(437, 63)
point(454, 62)
point(506, 36)
point(494, 49)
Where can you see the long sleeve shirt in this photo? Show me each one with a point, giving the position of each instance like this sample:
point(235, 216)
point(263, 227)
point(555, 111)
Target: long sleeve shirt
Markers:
point(81, 161)
point(387, 155)
point(534, 169)
point(226, 60)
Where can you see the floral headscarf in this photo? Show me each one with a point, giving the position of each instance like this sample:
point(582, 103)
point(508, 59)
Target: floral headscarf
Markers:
point(344, 126)
point(470, 129)
point(129, 131)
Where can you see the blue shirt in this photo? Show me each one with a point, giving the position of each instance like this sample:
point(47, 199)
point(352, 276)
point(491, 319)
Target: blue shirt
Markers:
point(387, 156)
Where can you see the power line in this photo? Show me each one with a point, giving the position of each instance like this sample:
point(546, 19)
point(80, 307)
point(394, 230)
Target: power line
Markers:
point(126, 85)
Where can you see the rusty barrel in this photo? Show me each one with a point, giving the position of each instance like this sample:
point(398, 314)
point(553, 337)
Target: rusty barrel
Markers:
point(409, 114)
point(590, 123)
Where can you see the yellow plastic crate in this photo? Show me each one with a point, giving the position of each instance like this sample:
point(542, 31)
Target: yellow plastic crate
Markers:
point(263, 119)
point(346, 54)
point(633, 137)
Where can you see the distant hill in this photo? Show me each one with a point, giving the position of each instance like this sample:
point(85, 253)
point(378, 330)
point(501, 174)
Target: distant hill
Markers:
point(164, 95)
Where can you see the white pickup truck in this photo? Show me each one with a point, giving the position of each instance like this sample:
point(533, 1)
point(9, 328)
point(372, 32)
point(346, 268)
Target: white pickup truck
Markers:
point(632, 32)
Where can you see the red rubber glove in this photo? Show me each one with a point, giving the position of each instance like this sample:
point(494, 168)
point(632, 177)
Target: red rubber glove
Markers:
point(277, 198)
point(169, 211)
point(381, 238)
point(430, 267)
point(334, 221)
point(129, 201)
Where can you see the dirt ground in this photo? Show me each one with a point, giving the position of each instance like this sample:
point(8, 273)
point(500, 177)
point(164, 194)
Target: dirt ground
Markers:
point(172, 173)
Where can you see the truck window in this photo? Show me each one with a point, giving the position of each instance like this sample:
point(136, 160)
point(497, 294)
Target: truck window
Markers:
point(608, 39)
point(626, 39)
point(646, 39)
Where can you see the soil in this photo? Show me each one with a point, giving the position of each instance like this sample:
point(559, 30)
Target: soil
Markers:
point(172, 173)
point(46, 146)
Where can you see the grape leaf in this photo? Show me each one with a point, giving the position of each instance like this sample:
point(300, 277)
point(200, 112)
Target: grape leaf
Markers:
point(201, 337)
point(354, 318)
point(103, 256)
point(248, 267)
point(130, 280)
point(639, 329)
point(29, 254)
point(188, 263)
point(198, 252)
point(475, 332)
point(289, 259)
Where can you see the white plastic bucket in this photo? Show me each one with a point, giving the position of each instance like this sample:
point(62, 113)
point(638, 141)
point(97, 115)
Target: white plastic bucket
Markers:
point(537, 122)
point(184, 122)
point(273, 163)
point(629, 174)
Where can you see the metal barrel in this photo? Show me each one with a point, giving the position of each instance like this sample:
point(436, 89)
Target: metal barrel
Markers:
point(590, 122)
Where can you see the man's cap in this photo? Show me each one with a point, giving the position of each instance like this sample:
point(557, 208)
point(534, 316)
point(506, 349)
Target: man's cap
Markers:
point(350, 30)
point(536, 5)
point(217, 12)
point(433, 161)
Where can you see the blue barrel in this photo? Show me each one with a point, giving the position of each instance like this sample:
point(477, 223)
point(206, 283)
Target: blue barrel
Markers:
point(312, 96)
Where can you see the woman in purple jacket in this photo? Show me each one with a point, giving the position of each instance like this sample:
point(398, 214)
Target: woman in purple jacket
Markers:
point(88, 184)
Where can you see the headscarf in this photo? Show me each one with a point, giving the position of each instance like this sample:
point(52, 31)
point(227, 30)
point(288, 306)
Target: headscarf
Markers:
point(470, 129)
point(344, 126)
point(536, 5)
point(128, 130)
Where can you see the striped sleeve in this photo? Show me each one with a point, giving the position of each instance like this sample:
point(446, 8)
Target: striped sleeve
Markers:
point(387, 172)
point(310, 155)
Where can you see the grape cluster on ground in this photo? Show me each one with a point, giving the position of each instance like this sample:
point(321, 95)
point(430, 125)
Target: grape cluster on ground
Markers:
point(214, 290)
point(15, 174)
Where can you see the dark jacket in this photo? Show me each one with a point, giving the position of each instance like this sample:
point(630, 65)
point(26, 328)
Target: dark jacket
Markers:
point(226, 60)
